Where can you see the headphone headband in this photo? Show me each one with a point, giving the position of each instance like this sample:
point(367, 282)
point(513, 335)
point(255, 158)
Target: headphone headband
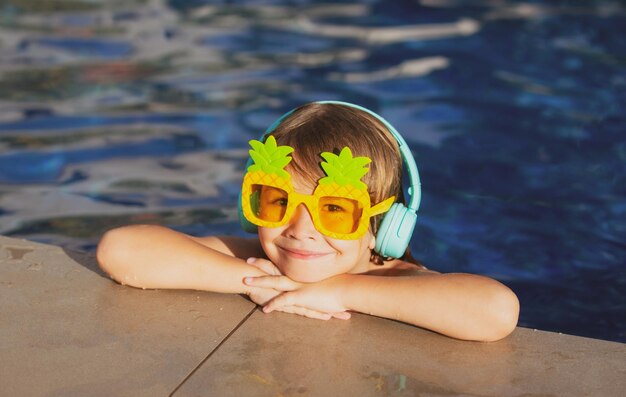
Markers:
point(415, 186)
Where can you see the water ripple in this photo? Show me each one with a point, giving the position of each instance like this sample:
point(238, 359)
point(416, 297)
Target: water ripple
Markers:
point(140, 111)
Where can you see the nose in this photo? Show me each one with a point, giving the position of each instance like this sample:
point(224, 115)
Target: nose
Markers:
point(301, 225)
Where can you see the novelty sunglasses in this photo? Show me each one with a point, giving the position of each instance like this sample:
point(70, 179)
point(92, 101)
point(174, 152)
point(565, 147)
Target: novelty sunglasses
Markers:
point(340, 205)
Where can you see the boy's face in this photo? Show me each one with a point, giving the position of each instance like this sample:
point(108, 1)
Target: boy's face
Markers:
point(304, 254)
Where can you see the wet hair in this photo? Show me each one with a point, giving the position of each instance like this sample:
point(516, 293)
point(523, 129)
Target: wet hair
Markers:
point(315, 128)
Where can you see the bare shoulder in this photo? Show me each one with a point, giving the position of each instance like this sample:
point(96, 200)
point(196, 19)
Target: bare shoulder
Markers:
point(396, 268)
point(239, 247)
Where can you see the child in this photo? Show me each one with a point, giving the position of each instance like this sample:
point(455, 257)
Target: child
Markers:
point(317, 189)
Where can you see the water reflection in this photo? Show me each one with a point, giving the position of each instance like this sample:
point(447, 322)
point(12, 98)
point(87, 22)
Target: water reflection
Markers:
point(139, 111)
point(390, 35)
point(407, 69)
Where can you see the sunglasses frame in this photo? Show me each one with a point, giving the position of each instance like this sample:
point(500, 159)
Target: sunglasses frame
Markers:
point(294, 199)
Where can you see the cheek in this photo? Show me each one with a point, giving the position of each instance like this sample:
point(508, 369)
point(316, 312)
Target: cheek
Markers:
point(268, 234)
point(353, 248)
point(266, 238)
point(351, 253)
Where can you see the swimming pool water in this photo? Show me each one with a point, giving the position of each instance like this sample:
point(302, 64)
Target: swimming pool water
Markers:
point(139, 111)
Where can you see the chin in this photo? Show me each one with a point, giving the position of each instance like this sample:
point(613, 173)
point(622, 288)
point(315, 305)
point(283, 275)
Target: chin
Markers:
point(302, 276)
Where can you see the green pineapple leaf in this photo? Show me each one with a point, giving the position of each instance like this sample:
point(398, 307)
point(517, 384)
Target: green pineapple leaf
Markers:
point(269, 157)
point(344, 169)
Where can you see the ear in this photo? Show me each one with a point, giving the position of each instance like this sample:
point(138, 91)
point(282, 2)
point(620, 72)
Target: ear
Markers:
point(373, 242)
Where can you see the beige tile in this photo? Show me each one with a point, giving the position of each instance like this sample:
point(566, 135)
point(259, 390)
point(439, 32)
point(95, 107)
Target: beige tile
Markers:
point(286, 355)
point(67, 330)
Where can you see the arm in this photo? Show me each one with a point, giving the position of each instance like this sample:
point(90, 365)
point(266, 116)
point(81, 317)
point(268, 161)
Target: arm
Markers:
point(462, 306)
point(149, 256)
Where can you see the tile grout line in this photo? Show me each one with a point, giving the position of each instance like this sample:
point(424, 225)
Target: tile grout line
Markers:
point(214, 350)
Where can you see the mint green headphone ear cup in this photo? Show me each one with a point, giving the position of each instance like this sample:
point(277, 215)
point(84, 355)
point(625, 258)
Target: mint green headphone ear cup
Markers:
point(246, 225)
point(395, 231)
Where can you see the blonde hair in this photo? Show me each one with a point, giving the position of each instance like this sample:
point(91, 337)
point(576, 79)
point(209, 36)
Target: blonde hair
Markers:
point(315, 128)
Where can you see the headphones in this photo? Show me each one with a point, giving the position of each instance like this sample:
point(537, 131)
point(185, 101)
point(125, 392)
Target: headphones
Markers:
point(395, 230)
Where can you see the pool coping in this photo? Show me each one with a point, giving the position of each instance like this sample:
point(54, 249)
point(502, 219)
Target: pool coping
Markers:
point(69, 330)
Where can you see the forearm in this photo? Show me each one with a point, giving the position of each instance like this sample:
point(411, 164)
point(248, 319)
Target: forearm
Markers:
point(155, 257)
point(458, 305)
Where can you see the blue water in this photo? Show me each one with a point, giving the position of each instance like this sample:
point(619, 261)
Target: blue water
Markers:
point(515, 112)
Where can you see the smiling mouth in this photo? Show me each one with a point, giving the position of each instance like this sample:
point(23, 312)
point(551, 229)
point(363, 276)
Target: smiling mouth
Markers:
point(303, 254)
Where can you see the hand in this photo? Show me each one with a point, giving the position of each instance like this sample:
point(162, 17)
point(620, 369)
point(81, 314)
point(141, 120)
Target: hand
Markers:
point(321, 300)
point(261, 295)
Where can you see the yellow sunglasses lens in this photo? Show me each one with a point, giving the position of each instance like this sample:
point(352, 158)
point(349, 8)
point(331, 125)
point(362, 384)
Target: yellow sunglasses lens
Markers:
point(340, 215)
point(268, 203)
point(336, 216)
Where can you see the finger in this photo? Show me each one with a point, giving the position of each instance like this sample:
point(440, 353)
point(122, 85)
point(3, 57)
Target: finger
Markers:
point(264, 265)
point(342, 315)
point(281, 301)
point(303, 311)
point(279, 283)
point(288, 302)
point(261, 265)
point(309, 313)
